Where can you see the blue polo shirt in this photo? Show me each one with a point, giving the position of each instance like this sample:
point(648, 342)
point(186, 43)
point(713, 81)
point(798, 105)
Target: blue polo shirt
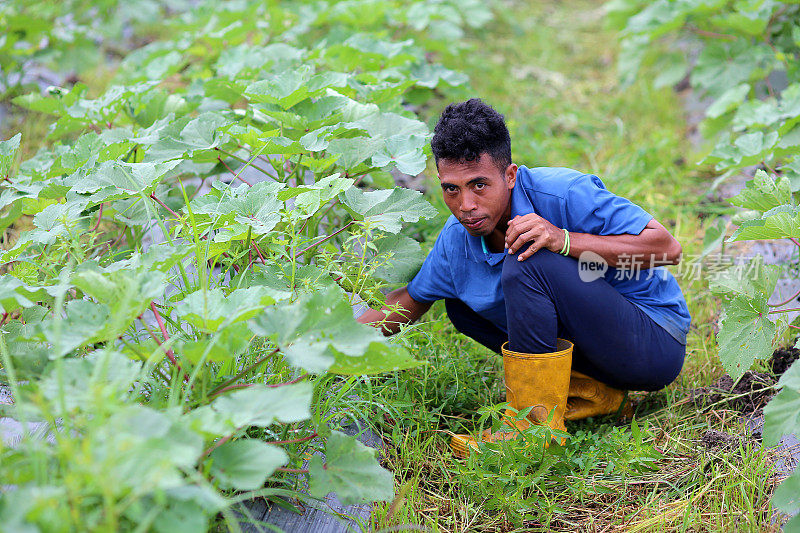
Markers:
point(460, 266)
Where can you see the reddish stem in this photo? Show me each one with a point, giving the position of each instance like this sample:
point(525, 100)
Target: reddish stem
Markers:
point(235, 175)
point(259, 253)
point(230, 387)
point(243, 372)
point(292, 470)
point(165, 206)
point(787, 301)
point(292, 382)
point(785, 310)
point(170, 353)
point(219, 443)
point(99, 218)
point(294, 441)
point(332, 235)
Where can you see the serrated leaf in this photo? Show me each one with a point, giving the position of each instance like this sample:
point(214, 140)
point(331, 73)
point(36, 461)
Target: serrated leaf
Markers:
point(257, 207)
point(782, 413)
point(779, 222)
point(378, 357)
point(728, 100)
point(127, 293)
point(292, 86)
point(309, 198)
point(745, 333)
point(387, 208)
point(8, 151)
point(318, 329)
point(351, 470)
point(396, 258)
point(85, 322)
point(306, 329)
point(118, 180)
point(208, 309)
point(246, 463)
point(764, 192)
point(753, 280)
point(259, 405)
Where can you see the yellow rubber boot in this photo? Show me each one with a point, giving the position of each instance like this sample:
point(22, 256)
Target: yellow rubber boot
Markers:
point(540, 381)
point(589, 397)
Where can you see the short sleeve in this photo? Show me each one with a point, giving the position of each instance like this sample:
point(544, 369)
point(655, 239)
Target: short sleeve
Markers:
point(434, 280)
point(591, 208)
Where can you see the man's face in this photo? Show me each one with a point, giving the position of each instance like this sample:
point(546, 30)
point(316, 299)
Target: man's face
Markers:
point(478, 193)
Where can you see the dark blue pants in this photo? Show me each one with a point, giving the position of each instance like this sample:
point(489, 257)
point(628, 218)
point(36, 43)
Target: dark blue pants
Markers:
point(615, 341)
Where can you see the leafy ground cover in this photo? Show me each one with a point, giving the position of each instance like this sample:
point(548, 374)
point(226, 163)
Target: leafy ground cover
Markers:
point(165, 353)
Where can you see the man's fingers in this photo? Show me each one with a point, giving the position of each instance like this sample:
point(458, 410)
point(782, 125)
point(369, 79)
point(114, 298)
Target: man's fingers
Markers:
point(532, 249)
point(519, 242)
point(513, 232)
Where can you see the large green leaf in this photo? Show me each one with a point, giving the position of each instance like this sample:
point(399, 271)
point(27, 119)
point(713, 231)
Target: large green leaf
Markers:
point(257, 207)
point(259, 405)
point(378, 357)
point(117, 180)
point(782, 413)
point(351, 470)
point(126, 293)
point(396, 258)
point(8, 151)
point(754, 279)
point(764, 192)
point(293, 86)
point(787, 499)
point(728, 101)
point(779, 222)
point(385, 209)
point(745, 333)
point(208, 309)
point(245, 464)
point(316, 328)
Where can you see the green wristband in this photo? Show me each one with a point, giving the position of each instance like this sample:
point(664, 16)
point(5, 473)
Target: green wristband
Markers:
point(565, 248)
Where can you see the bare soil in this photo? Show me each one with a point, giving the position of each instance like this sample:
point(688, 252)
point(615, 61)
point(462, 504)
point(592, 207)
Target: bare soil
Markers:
point(782, 359)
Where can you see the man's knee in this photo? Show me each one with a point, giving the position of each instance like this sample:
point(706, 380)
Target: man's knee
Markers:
point(540, 265)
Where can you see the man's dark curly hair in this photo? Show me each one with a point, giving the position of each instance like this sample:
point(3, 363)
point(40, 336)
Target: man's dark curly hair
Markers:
point(468, 129)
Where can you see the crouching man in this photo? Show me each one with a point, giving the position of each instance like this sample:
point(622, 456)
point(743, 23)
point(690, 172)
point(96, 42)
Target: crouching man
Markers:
point(549, 268)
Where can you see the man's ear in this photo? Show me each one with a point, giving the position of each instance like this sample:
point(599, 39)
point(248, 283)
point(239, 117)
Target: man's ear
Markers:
point(511, 175)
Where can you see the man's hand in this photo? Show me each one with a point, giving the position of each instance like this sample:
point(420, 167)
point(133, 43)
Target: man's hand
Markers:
point(400, 309)
point(536, 230)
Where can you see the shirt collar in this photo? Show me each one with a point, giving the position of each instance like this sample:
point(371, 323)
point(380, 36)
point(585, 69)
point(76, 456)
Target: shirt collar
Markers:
point(479, 251)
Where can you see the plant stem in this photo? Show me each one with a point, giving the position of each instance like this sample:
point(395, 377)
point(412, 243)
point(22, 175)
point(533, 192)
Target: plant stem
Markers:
point(334, 234)
point(787, 301)
point(244, 161)
point(168, 351)
point(235, 175)
point(243, 372)
point(99, 218)
point(292, 470)
point(292, 382)
point(785, 310)
point(294, 441)
point(165, 206)
point(235, 386)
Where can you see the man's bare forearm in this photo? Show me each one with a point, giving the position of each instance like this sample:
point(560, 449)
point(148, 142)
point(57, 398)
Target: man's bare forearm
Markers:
point(401, 309)
point(654, 246)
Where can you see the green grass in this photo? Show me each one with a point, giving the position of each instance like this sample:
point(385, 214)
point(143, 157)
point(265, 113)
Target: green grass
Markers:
point(550, 68)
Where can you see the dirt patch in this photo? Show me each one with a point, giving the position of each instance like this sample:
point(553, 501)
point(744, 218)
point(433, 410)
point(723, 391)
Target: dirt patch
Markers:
point(782, 359)
point(713, 439)
point(748, 396)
